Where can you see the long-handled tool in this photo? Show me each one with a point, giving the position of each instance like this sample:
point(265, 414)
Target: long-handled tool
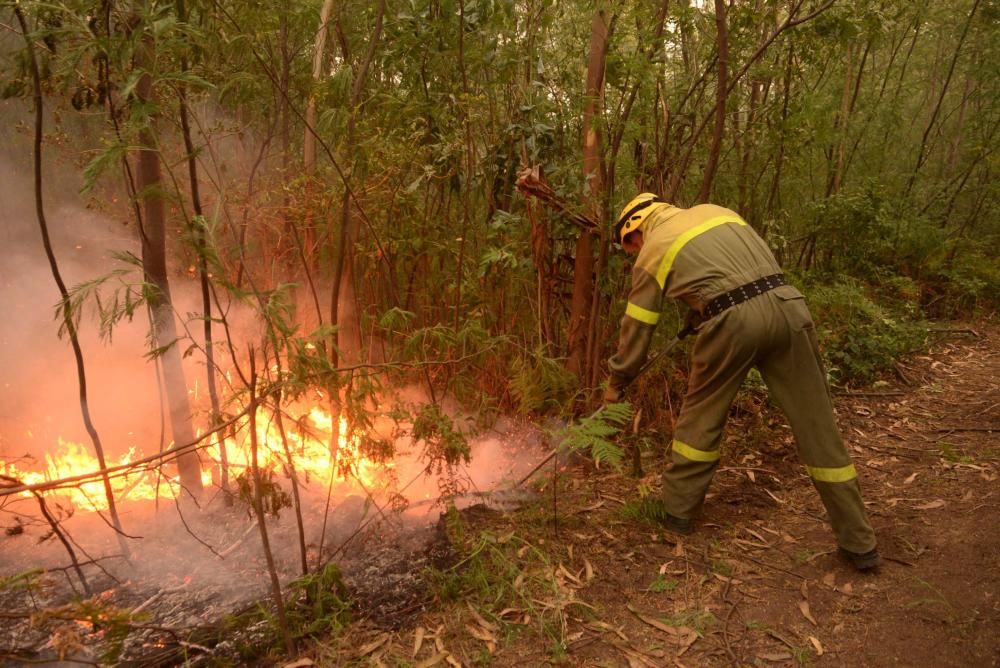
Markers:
point(685, 331)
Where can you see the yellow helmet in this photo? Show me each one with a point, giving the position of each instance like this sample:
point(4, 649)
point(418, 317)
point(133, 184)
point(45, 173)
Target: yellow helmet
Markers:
point(634, 213)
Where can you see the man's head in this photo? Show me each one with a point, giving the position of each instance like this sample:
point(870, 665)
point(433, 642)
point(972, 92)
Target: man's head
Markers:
point(628, 232)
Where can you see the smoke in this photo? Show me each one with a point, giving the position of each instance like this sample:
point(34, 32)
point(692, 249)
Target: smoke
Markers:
point(39, 389)
point(39, 404)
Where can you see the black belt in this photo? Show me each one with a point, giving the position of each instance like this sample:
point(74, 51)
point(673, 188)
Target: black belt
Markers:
point(742, 294)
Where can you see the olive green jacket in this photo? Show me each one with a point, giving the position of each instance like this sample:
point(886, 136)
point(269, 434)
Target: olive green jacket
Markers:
point(692, 255)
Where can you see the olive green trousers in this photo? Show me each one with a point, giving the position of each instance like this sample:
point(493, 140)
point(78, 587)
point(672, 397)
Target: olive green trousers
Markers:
point(774, 333)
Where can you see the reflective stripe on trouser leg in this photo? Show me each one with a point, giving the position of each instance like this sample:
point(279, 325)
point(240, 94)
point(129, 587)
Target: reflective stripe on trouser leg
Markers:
point(721, 357)
point(797, 383)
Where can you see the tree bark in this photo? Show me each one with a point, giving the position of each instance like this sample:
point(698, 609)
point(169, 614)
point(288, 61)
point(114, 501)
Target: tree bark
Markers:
point(722, 35)
point(154, 263)
point(344, 306)
point(201, 243)
point(583, 278)
point(923, 152)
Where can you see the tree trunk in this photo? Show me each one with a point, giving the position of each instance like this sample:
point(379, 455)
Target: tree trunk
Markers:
point(319, 52)
point(583, 278)
point(344, 306)
point(154, 263)
point(68, 317)
point(720, 101)
point(924, 151)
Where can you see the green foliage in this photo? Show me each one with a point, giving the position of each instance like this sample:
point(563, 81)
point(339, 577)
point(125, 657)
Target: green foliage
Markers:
point(27, 580)
point(859, 337)
point(541, 384)
point(274, 498)
point(959, 288)
point(444, 445)
point(320, 603)
point(646, 508)
point(663, 584)
point(593, 434)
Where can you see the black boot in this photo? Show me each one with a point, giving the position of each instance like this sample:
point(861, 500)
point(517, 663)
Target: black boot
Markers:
point(863, 561)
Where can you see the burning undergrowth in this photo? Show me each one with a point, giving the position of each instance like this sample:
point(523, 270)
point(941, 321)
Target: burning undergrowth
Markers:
point(194, 568)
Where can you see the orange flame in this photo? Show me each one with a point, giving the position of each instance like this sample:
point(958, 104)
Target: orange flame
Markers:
point(308, 440)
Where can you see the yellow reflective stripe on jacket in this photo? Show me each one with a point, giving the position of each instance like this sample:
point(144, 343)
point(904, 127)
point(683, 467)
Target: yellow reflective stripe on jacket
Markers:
point(641, 314)
point(839, 474)
point(685, 450)
point(668, 259)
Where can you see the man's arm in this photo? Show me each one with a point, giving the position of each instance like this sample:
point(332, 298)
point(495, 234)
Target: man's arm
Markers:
point(641, 315)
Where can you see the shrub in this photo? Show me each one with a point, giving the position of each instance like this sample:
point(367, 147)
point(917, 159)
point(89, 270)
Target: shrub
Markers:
point(860, 338)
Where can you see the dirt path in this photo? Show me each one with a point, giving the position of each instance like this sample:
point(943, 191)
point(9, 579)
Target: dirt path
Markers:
point(759, 582)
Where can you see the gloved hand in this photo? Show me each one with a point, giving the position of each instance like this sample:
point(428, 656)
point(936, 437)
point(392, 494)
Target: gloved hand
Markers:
point(612, 394)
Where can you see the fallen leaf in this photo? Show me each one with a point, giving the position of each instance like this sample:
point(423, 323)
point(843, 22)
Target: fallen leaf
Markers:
point(568, 575)
point(452, 661)
point(775, 656)
point(679, 549)
point(300, 663)
point(374, 645)
point(816, 644)
point(771, 494)
point(910, 478)
point(804, 607)
point(418, 640)
point(936, 503)
point(604, 626)
point(655, 623)
point(723, 578)
point(846, 588)
point(830, 579)
point(489, 626)
point(689, 639)
point(588, 570)
point(592, 507)
point(751, 476)
point(509, 611)
point(480, 633)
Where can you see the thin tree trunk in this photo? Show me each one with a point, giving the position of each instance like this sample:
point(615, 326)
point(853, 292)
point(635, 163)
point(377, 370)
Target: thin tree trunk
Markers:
point(774, 193)
point(722, 35)
point(67, 313)
point(923, 152)
point(200, 241)
point(154, 262)
point(583, 279)
point(258, 507)
point(835, 154)
point(319, 54)
point(344, 306)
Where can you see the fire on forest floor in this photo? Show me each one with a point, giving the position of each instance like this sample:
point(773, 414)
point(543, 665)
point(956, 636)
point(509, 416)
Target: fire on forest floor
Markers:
point(192, 567)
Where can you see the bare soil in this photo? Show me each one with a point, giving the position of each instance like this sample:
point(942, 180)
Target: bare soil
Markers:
point(759, 582)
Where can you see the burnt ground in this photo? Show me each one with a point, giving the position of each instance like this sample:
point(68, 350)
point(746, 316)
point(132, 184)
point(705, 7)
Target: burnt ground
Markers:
point(759, 582)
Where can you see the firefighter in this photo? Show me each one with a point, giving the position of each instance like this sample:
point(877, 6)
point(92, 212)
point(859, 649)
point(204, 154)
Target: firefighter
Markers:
point(746, 316)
